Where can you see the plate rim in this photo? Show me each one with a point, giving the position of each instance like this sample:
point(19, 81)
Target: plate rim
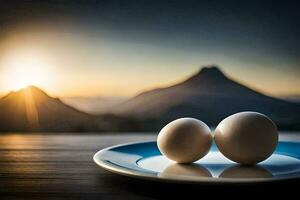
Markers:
point(116, 169)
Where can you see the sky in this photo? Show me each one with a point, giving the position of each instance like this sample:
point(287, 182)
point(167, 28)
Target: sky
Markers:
point(120, 48)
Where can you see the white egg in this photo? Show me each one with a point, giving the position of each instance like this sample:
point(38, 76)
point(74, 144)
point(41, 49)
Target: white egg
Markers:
point(185, 140)
point(246, 137)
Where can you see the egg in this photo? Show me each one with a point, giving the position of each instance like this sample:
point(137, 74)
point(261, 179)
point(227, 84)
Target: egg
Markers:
point(185, 140)
point(246, 137)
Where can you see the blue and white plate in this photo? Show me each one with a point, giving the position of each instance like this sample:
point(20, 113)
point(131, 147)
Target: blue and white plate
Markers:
point(143, 160)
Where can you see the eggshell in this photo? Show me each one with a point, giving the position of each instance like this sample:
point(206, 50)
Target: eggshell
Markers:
point(185, 140)
point(246, 137)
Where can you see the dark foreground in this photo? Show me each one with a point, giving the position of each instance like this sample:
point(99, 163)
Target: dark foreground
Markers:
point(36, 166)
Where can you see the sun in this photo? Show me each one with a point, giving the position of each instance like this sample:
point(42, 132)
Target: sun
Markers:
point(25, 69)
point(24, 76)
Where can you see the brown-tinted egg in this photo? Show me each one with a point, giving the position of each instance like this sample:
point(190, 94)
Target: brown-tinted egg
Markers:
point(246, 137)
point(185, 140)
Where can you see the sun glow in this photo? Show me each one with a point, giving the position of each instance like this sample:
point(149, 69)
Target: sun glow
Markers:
point(24, 69)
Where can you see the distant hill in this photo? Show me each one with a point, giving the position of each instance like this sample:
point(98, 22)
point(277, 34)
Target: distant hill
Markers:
point(31, 109)
point(210, 96)
point(93, 105)
point(293, 98)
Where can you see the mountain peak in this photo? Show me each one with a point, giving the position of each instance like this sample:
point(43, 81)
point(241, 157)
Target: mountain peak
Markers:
point(32, 89)
point(29, 89)
point(207, 74)
point(211, 71)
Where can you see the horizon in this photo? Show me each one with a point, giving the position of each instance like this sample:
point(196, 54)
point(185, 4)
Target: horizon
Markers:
point(201, 95)
point(92, 49)
point(150, 88)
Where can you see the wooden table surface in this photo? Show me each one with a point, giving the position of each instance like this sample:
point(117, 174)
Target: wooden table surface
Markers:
point(60, 166)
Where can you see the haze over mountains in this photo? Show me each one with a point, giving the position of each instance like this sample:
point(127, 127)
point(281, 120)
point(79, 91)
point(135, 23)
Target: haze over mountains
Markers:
point(208, 95)
point(94, 105)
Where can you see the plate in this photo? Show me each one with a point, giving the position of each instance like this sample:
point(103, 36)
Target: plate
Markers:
point(143, 160)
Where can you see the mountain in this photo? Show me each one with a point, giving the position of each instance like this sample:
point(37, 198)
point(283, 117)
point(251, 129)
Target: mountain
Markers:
point(208, 95)
point(293, 98)
point(93, 105)
point(31, 109)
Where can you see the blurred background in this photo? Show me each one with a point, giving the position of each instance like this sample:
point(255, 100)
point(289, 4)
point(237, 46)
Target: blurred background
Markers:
point(107, 66)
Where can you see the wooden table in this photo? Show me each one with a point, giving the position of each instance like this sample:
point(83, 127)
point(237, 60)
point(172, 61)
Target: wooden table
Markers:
point(60, 166)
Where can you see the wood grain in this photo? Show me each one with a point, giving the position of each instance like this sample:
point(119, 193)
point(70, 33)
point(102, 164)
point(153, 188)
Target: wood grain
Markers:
point(60, 166)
